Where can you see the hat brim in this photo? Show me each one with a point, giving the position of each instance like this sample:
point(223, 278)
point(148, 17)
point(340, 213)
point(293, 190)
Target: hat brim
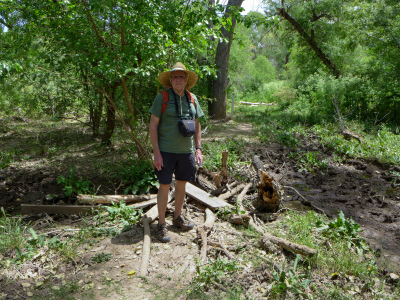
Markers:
point(191, 80)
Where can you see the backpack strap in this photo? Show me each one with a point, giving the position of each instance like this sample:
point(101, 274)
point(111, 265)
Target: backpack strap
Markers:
point(191, 98)
point(165, 100)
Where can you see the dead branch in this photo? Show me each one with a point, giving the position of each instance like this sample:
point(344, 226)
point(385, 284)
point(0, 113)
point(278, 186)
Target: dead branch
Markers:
point(222, 247)
point(295, 248)
point(305, 201)
point(146, 247)
point(344, 130)
point(202, 233)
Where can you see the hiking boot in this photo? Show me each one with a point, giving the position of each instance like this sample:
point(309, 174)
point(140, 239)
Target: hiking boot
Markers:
point(162, 233)
point(181, 223)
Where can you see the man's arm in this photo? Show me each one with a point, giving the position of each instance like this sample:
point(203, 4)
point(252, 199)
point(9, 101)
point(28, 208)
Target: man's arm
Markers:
point(153, 130)
point(197, 142)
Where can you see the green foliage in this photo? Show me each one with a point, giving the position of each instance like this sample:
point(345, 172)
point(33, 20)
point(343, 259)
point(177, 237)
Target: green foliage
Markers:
point(129, 215)
point(74, 186)
point(344, 229)
point(311, 162)
point(215, 271)
point(12, 232)
point(226, 212)
point(101, 257)
point(291, 280)
point(137, 176)
point(5, 159)
point(286, 138)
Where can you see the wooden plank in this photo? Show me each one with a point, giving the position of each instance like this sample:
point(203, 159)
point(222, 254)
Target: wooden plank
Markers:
point(107, 199)
point(204, 197)
point(56, 209)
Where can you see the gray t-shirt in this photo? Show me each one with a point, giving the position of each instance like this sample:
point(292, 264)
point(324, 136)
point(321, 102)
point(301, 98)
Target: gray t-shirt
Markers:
point(169, 138)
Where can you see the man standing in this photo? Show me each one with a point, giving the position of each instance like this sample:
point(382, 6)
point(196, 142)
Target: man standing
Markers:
point(173, 152)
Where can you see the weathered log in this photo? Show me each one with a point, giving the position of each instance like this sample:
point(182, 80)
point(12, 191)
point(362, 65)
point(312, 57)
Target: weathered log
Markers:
point(146, 247)
point(266, 239)
point(269, 190)
point(202, 232)
point(108, 199)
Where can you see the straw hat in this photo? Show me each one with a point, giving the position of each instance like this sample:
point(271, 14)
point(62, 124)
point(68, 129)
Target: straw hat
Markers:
point(191, 80)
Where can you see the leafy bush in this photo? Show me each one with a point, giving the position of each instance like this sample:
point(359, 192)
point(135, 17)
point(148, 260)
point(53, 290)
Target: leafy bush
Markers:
point(129, 215)
point(138, 176)
point(73, 186)
point(344, 229)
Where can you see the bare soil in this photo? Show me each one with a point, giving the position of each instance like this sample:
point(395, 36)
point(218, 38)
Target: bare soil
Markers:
point(363, 190)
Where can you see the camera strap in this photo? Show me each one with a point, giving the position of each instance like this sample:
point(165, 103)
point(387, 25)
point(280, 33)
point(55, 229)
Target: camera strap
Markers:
point(177, 108)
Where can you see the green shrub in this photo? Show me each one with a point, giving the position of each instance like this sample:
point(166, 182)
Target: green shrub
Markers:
point(73, 186)
point(138, 176)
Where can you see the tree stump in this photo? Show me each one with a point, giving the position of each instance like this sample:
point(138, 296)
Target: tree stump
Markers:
point(269, 190)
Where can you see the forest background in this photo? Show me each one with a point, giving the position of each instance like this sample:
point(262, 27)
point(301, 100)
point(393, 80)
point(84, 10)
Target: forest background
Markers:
point(94, 57)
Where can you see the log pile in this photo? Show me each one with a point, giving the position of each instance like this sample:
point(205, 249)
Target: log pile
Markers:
point(223, 194)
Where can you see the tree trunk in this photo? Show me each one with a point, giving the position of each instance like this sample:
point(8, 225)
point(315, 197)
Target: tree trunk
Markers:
point(95, 115)
point(110, 122)
point(217, 108)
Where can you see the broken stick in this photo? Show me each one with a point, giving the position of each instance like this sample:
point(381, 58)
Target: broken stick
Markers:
point(146, 247)
point(295, 248)
point(202, 233)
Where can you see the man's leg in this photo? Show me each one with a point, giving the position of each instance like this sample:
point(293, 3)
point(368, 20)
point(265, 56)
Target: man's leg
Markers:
point(179, 197)
point(178, 221)
point(162, 201)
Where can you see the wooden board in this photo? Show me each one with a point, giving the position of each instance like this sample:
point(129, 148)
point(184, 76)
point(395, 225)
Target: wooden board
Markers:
point(204, 197)
point(56, 209)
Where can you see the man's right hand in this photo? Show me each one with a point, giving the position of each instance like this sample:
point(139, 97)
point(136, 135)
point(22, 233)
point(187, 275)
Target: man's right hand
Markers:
point(158, 161)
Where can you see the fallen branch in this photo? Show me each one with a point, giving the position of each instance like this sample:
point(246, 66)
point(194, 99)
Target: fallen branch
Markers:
point(146, 247)
point(285, 244)
point(222, 248)
point(344, 130)
point(305, 201)
point(202, 233)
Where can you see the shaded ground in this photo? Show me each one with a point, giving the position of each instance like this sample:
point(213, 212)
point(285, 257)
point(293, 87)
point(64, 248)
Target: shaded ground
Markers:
point(366, 191)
